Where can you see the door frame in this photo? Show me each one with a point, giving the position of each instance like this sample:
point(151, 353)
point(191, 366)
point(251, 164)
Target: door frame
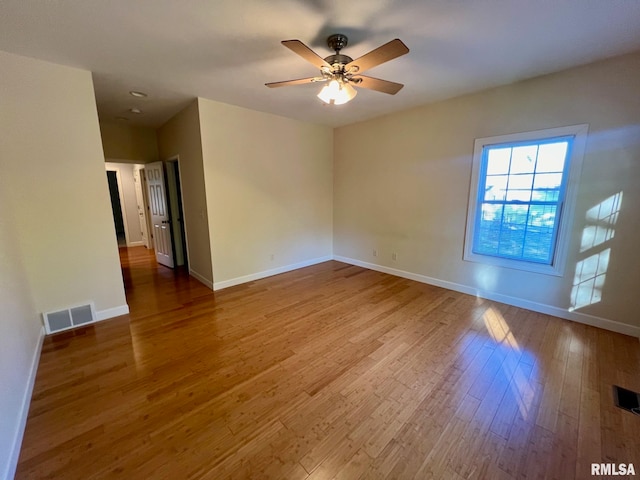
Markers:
point(147, 210)
point(141, 196)
point(123, 207)
point(185, 242)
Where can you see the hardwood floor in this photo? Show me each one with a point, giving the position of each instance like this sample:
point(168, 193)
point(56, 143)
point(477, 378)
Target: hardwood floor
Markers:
point(331, 371)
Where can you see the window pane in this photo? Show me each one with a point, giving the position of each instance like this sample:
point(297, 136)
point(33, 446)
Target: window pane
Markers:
point(498, 161)
point(537, 245)
point(537, 248)
point(551, 157)
point(514, 223)
point(511, 241)
point(523, 159)
point(488, 234)
point(542, 216)
point(548, 180)
point(515, 214)
point(519, 182)
point(519, 195)
point(495, 187)
point(546, 187)
point(520, 188)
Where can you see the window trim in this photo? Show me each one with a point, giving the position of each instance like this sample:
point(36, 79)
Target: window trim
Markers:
point(567, 205)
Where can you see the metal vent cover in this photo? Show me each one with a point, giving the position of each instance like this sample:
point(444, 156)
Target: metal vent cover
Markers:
point(69, 318)
point(626, 399)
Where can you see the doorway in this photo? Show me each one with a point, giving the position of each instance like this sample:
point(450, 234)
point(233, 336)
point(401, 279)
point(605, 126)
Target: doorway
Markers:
point(163, 193)
point(116, 206)
point(178, 231)
point(142, 205)
point(140, 264)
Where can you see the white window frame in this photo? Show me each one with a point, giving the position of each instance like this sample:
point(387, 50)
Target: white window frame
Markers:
point(574, 169)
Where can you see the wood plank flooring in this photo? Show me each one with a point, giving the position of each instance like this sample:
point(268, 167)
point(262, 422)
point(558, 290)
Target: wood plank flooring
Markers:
point(330, 371)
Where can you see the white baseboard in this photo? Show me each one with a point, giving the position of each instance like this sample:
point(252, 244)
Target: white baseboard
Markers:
point(587, 319)
point(202, 279)
point(269, 273)
point(24, 410)
point(111, 312)
point(136, 244)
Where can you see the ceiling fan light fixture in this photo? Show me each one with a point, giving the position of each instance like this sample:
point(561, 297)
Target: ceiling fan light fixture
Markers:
point(339, 70)
point(337, 93)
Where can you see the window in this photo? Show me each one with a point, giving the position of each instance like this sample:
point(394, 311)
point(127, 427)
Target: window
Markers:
point(521, 199)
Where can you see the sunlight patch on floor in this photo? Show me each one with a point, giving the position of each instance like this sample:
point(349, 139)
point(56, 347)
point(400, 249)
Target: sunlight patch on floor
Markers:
point(519, 383)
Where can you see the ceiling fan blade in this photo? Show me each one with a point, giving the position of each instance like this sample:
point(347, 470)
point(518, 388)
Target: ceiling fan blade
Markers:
point(298, 81)
point(296, 46)
point(378, 85)
point(388, 51)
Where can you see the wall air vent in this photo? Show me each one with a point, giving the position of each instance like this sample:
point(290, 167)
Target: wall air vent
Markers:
point(626, 399)
point(69, 318)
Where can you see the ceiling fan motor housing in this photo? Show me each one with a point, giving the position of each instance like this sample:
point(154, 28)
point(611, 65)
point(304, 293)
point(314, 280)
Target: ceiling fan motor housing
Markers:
point(338, 59)
point(337, 42)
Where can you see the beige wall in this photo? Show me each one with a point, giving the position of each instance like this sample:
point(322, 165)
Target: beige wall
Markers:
point(269, 190)
point(130, 207)
point(125, 143)
point(180, 136)
point(402, 184)
point(57, 241)
point(54, 178)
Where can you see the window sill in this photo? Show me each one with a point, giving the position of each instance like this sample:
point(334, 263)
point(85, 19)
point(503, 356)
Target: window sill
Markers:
point(531, 267)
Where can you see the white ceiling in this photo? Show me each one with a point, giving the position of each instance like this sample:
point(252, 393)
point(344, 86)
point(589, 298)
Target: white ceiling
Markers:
point(226, 50)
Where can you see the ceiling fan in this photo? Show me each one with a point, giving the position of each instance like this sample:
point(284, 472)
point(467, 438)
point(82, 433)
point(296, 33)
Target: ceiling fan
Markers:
point(342, 72)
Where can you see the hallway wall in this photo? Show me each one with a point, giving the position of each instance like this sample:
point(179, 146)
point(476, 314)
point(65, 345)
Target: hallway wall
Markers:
point(57, 240)
point(53, 170)
point(180, 136)
point(125, 143)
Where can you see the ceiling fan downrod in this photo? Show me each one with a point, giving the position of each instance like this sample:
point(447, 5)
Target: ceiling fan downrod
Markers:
point(337, 42)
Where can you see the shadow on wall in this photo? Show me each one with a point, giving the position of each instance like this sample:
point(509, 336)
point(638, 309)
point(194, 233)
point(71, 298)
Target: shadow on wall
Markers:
point(595, 252)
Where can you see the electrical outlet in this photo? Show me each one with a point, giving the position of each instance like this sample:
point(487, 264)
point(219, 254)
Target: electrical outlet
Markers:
point(375, 252)
point(394, 256)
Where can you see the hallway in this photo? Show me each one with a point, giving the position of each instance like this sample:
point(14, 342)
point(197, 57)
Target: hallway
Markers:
point(152, 288)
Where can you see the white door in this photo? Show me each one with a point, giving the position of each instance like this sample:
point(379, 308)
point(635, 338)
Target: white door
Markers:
point(159, 213)
point(140, 202)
